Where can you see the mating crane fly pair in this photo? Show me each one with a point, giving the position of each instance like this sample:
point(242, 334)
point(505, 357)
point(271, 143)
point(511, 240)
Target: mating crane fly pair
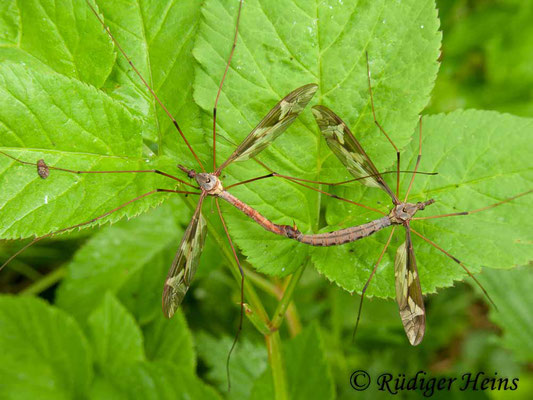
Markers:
point(348, 150)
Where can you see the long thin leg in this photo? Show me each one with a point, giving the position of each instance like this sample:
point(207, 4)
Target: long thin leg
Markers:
point(458, 262)
point(381, 128)
point(220, 86)
point(475, 211)
point(155, 171)
point(292, 178)
point(242, 290)
point(119, 47)
point(368, 282)
point(39, 238)
point(419, 156)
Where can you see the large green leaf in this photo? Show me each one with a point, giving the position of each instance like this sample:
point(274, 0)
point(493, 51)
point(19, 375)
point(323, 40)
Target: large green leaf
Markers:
point(158, 37)
point(247, 363)
point(43, 353)
point(511, 293)
point(283, 45)
point(130, 259)
point(170, 340)
point(153, 381)
point(115, 336)
point(63, 35)
point(46, 114)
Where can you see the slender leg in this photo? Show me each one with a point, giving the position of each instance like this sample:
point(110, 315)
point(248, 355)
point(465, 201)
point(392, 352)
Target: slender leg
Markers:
point(119, 47)
point(368, 282)
point(220, 86)
point(242, 290)
point(381, 128)
point(417, 158)
point(39, 238)
point(458, 262)
point(155, 171)
point(292, 178)
point(476, 211)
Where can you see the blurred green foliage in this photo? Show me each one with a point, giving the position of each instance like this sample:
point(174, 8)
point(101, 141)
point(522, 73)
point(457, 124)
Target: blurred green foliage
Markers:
point(103, 338)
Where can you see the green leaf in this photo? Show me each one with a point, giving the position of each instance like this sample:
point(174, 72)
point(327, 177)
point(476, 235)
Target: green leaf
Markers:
point(115, 336)
point(43, 352)
point(247, 363)
point(9, 15)
point(157, 381)
point(70, 125)
point(281, 48)
point(481, 158)
point(40, 118)
point(158, 38)
point(308, 373)
point(170, 340)
point(130, 258)
point(511, 291)
point(67, 37)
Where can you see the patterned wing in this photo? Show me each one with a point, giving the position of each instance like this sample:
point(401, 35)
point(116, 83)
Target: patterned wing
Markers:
point(409, 293)
point(185, 263)
point(274, 124)
point(347, 149)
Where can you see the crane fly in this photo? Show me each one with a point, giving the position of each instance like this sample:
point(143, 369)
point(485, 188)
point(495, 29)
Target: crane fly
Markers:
point(185, 263)
point(352, 155)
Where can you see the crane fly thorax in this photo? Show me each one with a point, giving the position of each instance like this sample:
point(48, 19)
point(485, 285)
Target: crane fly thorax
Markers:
point(403, 212)
point(209, 183)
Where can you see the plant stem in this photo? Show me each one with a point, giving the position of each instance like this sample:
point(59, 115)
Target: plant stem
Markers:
point(263, 283)
point(44, 283)
point(285, 301)
point(275, 358)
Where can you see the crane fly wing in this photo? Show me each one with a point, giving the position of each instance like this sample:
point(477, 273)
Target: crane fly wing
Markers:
point(347, 149)
point(409, 293)
point(185, 263)
point(273, 124)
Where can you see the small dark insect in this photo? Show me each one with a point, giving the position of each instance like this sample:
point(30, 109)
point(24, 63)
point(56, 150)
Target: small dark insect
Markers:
point(42, 169)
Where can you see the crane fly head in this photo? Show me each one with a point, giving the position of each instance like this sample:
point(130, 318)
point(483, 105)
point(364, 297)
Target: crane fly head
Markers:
point(403, 212)
point(209, 183)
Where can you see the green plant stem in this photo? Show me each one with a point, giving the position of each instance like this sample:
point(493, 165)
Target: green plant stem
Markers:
point(286, 300)
point(263, 283)
point(293, 320)
point(258, 322)
point(44, 283)
point(273, 339)
point(275, 358)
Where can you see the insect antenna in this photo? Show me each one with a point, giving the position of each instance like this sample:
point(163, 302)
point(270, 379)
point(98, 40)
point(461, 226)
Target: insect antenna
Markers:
point(221, 83)
point(460, 263)
point(145, 83)
point(368, 282)
point(241, 317)
point(292, 178)
point(475, 211)
point(50, 234)
point(383, 130)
